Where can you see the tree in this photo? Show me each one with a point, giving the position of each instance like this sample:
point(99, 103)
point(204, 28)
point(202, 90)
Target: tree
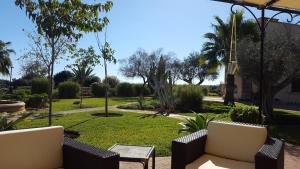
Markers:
point(217, 48)
point(33, 69)
point(175, 69)
point(281, 64)
point(85, 59)
point(62, 76)
point(194, 68)
point(57, 20)
point(90, 80)
point(5, 62)
point(107, 53)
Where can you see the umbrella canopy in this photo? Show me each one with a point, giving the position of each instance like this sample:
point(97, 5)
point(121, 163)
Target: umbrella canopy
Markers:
point(291, 6)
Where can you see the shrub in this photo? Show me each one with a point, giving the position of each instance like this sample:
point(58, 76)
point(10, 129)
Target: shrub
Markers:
point(39, 86)
point(112, 81)
point(125, 90)
point(37, 101)
point(68, 90)
point(90, 80)
point(98, 89)
point(20, 82)
point(205, 90)
point(112, 92)
point(62, 76)
point(137, 88)
point(188, 98)
point(17, 95)
point(245, 114)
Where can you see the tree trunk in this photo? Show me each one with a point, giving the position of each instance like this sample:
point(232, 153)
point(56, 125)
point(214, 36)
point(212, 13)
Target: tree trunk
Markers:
point(229, 93)
point(267, 106)
point(106, 90)
point(80, 106)
point(51, 81)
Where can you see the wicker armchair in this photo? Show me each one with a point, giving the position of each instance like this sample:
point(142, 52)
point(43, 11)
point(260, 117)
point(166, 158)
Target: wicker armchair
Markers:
point(228, 147)
point(47, 148)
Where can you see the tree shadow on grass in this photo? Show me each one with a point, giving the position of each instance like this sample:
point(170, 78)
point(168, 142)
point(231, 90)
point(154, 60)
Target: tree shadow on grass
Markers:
point(109, 114)
point(150, 115)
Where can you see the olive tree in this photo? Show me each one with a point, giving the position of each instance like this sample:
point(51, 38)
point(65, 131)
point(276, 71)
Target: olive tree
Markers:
point(281, 64)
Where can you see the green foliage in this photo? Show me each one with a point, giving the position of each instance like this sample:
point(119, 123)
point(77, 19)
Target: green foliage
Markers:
point(5, 124)
point(68, 90)
point(62, 76)
point(20, 82)
point(17, 95)
point(205, 90)
point(138, 88)
point(112, 92)
point(98, 89)
point(112, 81)
point(108, 53)
point(125, 90)
point(188, 98)
point(245, 114)
point(192, 125)
point(90, 80)
point(37, 101)
point(5, 62)
point(147, 105)
point(39, 86)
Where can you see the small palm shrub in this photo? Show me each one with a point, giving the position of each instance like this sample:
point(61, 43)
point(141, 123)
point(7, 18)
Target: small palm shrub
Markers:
point(68, 90)
point(188, 98)
point(125, 90)
point(192, 125)
point(5, 124)
point(37, 101)
point(244, 114)
point(98, 89)
point(39, 85)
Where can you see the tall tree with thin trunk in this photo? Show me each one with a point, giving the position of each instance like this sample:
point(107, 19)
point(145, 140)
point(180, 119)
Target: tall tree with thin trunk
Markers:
point(85, 60)
point(107, 53)
point(57, 19)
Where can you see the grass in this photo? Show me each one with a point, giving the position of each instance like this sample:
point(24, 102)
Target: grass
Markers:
point(67, 104)
point(130, 128)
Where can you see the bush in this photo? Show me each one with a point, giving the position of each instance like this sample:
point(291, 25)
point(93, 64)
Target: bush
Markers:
point(188, 98)
point(68, 90)
point(62, 76)
point(112, 81)
point(205, 90)
point(20, 82)
point(17, 95)
point(90, 80)
point(112, 92)
point(39, 86)
point(37, 101)
point(244, 114)
point(137, 88)
point(98, 89)
point(125, 90)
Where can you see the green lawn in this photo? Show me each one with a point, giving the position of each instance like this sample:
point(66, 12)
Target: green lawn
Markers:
point(130, 128)
point(67, 104)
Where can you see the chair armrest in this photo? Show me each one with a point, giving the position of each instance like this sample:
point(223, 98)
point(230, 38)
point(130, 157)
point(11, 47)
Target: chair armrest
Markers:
point(187, 149)
point(77, 155)
point(271, 155)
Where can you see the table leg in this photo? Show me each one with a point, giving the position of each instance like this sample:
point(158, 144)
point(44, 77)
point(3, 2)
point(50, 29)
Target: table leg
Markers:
point(146, 164)
point(153, 159)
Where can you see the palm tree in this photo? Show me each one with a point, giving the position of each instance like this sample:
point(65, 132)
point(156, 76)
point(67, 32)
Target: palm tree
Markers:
point(217, 49)
point(81, 73)
point(5, 62)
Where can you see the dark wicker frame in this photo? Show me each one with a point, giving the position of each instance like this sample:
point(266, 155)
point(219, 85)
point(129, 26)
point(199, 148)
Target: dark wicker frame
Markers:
point(77, 155)
point(188, 148)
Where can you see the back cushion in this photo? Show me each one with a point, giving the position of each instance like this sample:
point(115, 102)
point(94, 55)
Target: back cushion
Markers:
point(39, 148)
point(235, 141)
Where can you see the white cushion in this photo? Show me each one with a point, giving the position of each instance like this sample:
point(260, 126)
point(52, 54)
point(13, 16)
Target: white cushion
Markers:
point(39, 148)
point(213, 162)
point(235, 141)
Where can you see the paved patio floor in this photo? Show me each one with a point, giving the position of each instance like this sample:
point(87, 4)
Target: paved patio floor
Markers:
point(292, 160)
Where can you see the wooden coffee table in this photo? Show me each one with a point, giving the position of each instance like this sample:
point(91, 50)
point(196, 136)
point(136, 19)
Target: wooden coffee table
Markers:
point(135, 153)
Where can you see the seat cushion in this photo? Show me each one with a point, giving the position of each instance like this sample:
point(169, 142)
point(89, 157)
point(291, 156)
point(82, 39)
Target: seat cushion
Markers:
point(207, 161)
point(39, 148)
point(235, 141)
